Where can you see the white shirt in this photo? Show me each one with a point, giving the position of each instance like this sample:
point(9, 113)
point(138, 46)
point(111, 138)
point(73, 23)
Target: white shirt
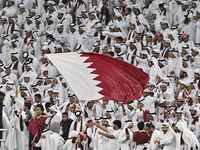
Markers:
point(113, 143)
point(126, 144)
point(167, 140)
point(78, 127)
point(149, 101)
point(154, 135)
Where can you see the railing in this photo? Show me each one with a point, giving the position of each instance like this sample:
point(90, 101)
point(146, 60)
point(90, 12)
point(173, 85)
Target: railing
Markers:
point(3, 139)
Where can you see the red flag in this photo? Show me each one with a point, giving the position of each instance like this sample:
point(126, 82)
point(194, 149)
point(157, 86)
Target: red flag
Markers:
point(95, 76)
point(36, 126)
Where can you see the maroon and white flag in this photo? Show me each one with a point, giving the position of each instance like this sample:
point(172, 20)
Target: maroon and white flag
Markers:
point(95, 76)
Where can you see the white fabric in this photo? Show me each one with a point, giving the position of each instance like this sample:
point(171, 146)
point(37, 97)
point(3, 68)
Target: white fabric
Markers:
point(51, 142)
point(77, 74)
point(188, 136)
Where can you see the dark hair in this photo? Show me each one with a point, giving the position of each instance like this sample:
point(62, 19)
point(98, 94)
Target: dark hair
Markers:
point(149, 125)
point(119, 38)
point(2, 93)
point(118, 123)
point(64, 1)
point(185, 73)
point(140, 125)
point(151, 92)
point(28, 105)
point(111, 53)
point(41, 106)
point(129, 9)
point(47, 104)
point(50, 36)
point(65, 113)
point(38, 95)
point(52, 100)
point(161, 5)
point(89, 102)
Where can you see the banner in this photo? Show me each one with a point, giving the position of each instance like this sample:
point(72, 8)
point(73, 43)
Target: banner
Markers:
point(95, 76)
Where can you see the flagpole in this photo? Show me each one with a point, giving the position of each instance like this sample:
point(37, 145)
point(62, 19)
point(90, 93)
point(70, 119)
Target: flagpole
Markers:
point(1, 119)
point(33, 141)
point(2, 95)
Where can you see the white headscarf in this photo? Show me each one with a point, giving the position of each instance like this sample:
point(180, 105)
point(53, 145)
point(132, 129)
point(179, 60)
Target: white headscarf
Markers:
point(124, 34)
point(127, 123)
point(11, 84)
point(165, 79)
point(52, 140)
point(174, 34)
point(154, 121)
point(196, 109)
point(111, 114)
point(53, 108)
point(188, 136)
point(25, 85)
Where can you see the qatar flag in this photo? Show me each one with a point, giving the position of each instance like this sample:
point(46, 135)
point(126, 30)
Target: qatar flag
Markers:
point(94, 76)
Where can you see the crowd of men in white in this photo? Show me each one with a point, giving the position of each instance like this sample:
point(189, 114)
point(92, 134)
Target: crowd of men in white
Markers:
point(161, 37)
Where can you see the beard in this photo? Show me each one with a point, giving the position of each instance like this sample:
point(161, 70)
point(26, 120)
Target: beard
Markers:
point(165, 131)
point(197, 78)
point(181, 76)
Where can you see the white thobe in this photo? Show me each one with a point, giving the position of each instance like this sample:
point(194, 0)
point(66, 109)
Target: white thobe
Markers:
point(72, 40)
point(78, 127)
point(197, 26)
point(22, 19)
point(126, 144)
point(190, 29)
point(143, 64)
point(22, 136)
point(165, 96)
point(196, 62)
point(52, 71)
point(165, 33)
point(66, 22)
point(102, 141)
point(173, 65)
point(60, 37)
point(150, 102)
point(154, 135)
point(173, 6)
point(179, 16)
point(154, 72)
point(10, 11)
point(83, 40)
point(54, 124)
point(167, 140)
